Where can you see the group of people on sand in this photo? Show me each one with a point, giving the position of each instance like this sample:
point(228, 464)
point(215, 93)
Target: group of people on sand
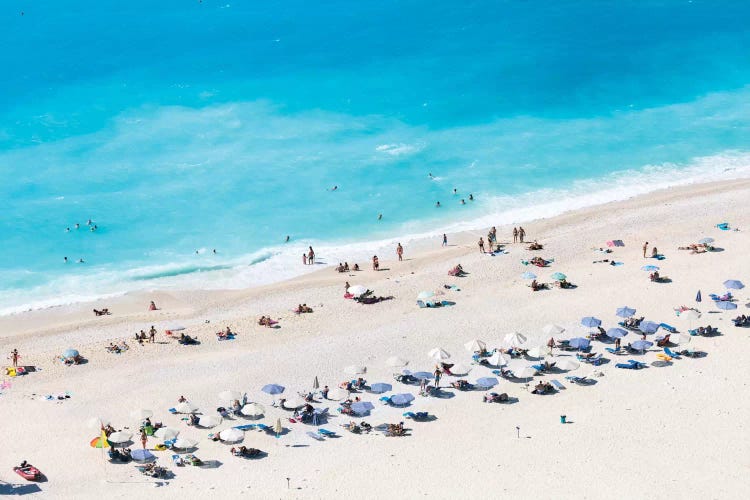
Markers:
point(519, 234)
point(267, 321)
point(302, 309)
point(142, 337)
point(344, 268)
point(697, 248)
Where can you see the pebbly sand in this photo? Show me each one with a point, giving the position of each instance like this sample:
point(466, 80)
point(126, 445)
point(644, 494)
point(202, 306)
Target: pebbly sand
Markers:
point(661, 432)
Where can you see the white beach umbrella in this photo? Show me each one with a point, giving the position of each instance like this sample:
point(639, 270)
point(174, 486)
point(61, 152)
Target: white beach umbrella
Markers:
point(230, 395)
point(184, 443)
point(564, 363)
point(209, 421)
point(475, 345)
point(439, 354)
point(424, 295)
point(460, 369)
point(552, 329)
point(141, 414)
point(253, 410)
point(396, 361)
point(679, 338)
point(690, 315)
point(337, 394)
point(539, 352)
point(120, 437)
point(356, 290)
point(499, 359)
point(514, 339)
point(186, 407)
point(355, 370)
point(294, 402)
point(526, 372)
point(231, 435)
point(166, 433)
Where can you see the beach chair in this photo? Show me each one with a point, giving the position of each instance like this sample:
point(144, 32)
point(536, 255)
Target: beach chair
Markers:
point(315, 435)
point(326, 432)
point(577, 380)
point(663, 356)
point(557, 384)
point(668, 328)
point(617, 351)
point(671, 353)
point(385, 400)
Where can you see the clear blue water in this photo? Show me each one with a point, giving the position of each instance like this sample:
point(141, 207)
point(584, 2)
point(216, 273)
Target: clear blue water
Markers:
point(183, 125)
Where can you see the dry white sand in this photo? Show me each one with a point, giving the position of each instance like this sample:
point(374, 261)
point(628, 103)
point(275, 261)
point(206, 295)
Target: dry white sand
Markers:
point(669, 432)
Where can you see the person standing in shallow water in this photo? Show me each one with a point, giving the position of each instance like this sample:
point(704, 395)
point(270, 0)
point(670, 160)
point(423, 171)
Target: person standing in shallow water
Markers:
point(521, 234)
point(311, 256)
point(400, 252)
point(304, 259)
point(445, 240)
point(515, 235)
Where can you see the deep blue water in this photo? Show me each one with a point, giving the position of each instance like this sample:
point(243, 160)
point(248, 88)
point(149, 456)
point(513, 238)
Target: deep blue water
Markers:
point(182, 125)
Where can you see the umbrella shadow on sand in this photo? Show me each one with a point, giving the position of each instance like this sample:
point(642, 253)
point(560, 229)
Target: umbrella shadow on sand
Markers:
point(211, 464)
point(18, 489)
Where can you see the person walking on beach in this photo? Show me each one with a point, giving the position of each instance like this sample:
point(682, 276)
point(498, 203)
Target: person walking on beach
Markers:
point(400, 252)
point(375, 263)
point(346, 287)
point(14, 357)
point(152, 335)
point(521, 234)
point(311, 256)
point(645, 248)
point(445, 240)
point(144, 438)
point(481, 244)
point(515, 235)
point(437, 374)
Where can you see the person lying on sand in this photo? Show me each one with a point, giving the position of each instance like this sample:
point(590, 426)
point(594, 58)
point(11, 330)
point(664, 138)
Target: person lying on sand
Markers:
point(103, 312)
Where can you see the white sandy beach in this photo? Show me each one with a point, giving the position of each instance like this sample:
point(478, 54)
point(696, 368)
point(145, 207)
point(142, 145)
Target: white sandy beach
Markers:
point(678, 431)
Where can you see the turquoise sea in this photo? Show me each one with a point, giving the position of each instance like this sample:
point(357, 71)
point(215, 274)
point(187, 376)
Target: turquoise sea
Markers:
point(184, 126)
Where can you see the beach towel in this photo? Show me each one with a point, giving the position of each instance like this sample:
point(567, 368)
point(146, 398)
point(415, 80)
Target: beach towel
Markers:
point(724, 226)
point(615, 243)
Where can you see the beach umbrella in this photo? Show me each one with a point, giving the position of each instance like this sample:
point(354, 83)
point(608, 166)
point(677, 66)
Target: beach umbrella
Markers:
point(726, 305)
point(355, 370)
point(579, 343)
point(98, 443)
point(734, 284)
point(166, 433)
point(380, 388)
point(438, 354)
point(514, 339)
point(253, 410)
point(70, 353)
point(273, 389)
point(650, 268)
point(395, 361)
point(526, 372)
point(230, 395)
point(558, 276)
point(231, 435)
point(528, 275)
point(706, 241)
point(497, 359)
point(277, 428)
point(460, 369)
point(690, 314)
point(140, 455)
point(141, 414)
point(209, 421)
point(475, 345)
point(424, 295)
point(356, 290)
point(565, 363)
point(337, 394)
point(184, 443)
point(316, 384)
point(616, 333)
point(402, 399)
point(422, 375)
point(648, 327)
point(486, 382)
point(538, 352)
point(186, 407)
point(362, 407)
point(120, 437)
point(296, 402)
point(552, 329)
point(625, 312)
point(679, 338)
point(591, 321)
point(698, 296)
point(641, 345)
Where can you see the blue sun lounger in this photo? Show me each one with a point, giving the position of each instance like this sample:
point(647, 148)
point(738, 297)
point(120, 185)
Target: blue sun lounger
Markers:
point(619, 350)
point(557, 384)
point(326, 432)
point(669, 352)
point(631, 365)
point(668, 328)
point(577, 380)
point(420, 415)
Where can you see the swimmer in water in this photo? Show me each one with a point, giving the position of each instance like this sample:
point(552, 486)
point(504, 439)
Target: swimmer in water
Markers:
point(214, 251)
point(380, 216)
point(287, 239)
point(455, 191)
point(67, 229)
point(77, 225)
point(88, 222)
point(430, 174)
point(65, 260)
point(437, 205)
point(80, 261)
point(471, 197)
point(463, 202)
point(334, 188)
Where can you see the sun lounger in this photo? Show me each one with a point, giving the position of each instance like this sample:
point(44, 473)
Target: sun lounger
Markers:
point(315, 435)
point(631, 365)
point(617, 351)
point(671, 353)
point(668, 328)
point(663, 356)
point(420, 415)
point(557, 384)
point(578, 380)
point(326, 432)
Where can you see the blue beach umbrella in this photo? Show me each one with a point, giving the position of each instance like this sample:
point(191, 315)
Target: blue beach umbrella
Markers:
point(591, 322)
point(380, 388)
point(650, 267)
point(362, 407)
point(422, 375)
point(273, 389)
point(579, 343)
point(726, 305)
point(558, 276)
point(625, 312)
point(140, 455)
point(706, 241)
point(698, 296)
point(616, 333)
point(70, 353)
point(734, 284)
point(528, 275)
point(402, 399)
point(648, 327)
point(487, 382)
point(641, 345)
